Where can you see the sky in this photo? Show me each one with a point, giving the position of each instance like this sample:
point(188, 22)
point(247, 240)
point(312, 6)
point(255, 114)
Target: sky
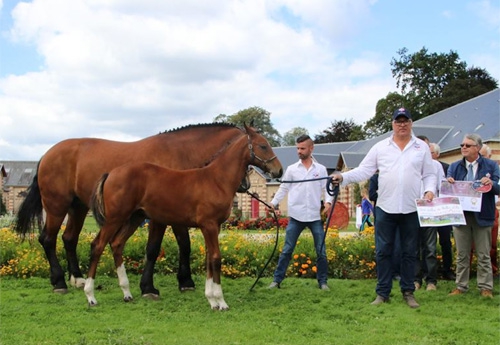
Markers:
point(128, 69)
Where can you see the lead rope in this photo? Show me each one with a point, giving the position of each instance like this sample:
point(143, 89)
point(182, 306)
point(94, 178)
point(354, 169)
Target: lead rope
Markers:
point(331, 191)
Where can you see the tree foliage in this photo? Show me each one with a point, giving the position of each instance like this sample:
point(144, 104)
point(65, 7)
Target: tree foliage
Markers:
point(290, 137)
point(428, 81)
point(339, 131)
point(258, 118)
point(381, 122)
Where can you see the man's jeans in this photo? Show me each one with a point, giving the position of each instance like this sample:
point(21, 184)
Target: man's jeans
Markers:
point(386, 225)
point(293, 230)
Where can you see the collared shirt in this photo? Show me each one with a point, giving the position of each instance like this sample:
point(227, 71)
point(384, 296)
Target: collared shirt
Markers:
point(440, 175)
point(400, 173)
point(304, 198)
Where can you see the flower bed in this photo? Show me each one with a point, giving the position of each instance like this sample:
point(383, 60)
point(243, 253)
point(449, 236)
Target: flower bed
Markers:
point(244, 253)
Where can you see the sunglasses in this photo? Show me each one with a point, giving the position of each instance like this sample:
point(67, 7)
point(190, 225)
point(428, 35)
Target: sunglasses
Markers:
point(467, 145)
point(402, 122)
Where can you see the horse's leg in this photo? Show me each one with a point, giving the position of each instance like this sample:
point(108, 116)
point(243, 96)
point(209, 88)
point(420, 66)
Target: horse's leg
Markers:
point(96, 248)
point(156, 232)
point(184, 242)
point(76, 218)
point(213, 287)
point(117, 245)
point(48, 238)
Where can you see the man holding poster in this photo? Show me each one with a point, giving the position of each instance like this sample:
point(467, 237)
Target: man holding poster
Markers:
point(484, 172)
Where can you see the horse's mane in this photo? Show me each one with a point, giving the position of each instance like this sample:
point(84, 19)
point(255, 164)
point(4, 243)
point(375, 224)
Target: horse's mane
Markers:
point(201, 125)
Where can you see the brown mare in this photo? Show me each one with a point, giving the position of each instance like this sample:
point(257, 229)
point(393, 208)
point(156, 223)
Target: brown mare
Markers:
point(195, 198)
point(69, 171)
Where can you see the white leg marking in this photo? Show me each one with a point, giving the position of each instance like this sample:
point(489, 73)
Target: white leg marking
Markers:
point(213, 292)
point(219, 297)
point(89, 291)
point(123, 282)
point(209, 294)
point(78, 283)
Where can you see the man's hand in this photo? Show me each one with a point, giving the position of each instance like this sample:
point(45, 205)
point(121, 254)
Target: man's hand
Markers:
point(327, 206)
point(336, 178)
point(429, 196)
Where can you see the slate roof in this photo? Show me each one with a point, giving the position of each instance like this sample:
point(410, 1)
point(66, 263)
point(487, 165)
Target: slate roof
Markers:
point(18, 173)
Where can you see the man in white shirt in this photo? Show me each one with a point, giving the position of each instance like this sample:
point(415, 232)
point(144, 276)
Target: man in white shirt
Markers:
point(404, 162)
point(304, 209)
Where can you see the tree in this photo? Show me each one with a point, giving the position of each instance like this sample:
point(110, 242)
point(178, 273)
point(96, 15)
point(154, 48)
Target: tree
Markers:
point(289, 138)
point(344, 130)
point(423, 78)
point(457, 91)
point(258, 118)
point(381, 122)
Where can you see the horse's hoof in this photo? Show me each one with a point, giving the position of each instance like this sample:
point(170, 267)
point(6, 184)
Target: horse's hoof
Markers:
point(60, 291)
point(92, 304)
point(186, 288)
point(128, 299)
point(152, 296)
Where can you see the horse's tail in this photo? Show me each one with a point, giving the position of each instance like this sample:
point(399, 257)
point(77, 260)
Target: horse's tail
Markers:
point(97, 202)
point(30, 214)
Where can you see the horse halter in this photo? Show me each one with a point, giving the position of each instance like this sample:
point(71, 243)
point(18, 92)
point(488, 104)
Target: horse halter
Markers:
point(253, 156)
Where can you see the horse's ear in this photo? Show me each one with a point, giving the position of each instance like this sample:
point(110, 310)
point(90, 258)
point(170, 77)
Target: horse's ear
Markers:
point(246, 127)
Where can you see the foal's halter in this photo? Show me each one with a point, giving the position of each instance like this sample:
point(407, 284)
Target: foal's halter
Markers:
point(253, 156)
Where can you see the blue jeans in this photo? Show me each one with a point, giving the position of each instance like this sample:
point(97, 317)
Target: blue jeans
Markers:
point(396, 256)
point(365, 220)
point(293, 230)
point(387, 224)
point(426, 265)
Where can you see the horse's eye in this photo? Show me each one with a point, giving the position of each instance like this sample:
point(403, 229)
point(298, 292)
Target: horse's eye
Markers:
point(263, 147)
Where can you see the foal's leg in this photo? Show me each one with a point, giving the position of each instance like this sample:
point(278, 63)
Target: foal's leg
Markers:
point(96, 249)
point(117, 245)
point(213, 287)
point(76, 218)
point(184, 242)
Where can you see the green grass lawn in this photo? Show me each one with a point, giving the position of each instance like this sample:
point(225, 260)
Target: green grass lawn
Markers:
point(298, 313)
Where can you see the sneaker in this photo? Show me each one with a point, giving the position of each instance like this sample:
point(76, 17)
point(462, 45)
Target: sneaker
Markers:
point(274, 285)
point(324, 287)
point(456, 292)
point(410, 299)
point(431, 287)
point(379, 300)
point(417, 286)
point(486, 293)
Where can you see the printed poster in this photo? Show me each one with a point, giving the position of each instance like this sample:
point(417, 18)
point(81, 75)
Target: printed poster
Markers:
point(441, 211)
point(469, 198)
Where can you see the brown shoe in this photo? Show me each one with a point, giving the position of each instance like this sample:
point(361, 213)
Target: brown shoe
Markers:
point(379, 300)
point(410, 299)
point(456, 292)
point(486, 293)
